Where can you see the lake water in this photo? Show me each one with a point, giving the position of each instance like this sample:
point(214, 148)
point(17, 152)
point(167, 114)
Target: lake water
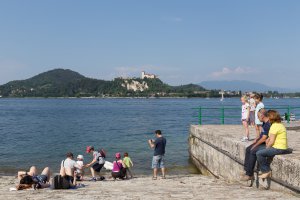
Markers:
point(40, 131)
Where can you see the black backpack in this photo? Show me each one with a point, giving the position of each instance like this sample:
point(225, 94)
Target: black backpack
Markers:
point(101, 156)
point(102, 153)
point(61, 182)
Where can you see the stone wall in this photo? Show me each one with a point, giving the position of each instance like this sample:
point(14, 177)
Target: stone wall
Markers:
point(217, 150)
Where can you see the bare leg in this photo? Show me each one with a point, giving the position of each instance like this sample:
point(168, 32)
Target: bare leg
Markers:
point(245, 124)
point(32, 171)
point(257, 128)
point(20, 174)
point(163, 171)
point(155, 172)
point(46, 172)
point(93, 172)
point(81, 175)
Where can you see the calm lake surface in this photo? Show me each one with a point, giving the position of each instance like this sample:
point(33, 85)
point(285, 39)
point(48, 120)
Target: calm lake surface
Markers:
point(40, 131)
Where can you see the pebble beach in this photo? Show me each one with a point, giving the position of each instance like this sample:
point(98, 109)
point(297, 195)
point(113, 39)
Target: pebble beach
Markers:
point(174, 187)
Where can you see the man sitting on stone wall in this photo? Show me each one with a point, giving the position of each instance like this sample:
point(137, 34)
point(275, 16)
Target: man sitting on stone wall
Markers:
point(258, 144)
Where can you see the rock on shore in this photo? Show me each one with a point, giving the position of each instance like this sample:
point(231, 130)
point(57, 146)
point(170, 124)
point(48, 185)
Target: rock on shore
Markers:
point(174, 187)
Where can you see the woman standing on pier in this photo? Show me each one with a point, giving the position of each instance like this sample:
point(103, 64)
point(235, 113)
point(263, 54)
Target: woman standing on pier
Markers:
point(276, 143)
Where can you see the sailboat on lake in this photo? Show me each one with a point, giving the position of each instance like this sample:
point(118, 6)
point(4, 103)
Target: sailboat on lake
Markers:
point(222, 95)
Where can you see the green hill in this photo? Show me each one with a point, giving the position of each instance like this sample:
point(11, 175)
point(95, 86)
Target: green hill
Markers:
point(67, 83)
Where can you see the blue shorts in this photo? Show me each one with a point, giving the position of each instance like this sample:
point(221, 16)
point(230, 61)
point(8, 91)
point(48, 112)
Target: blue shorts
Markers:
point(158, 161)
point(40, 178)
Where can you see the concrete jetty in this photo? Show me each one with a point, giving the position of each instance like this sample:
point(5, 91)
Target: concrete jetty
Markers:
point(217, 150)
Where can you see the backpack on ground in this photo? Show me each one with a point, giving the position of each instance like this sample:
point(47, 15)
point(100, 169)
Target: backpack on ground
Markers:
point(61, 182)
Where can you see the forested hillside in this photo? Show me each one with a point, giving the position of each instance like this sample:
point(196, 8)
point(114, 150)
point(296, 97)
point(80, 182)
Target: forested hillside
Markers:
point(67, 83)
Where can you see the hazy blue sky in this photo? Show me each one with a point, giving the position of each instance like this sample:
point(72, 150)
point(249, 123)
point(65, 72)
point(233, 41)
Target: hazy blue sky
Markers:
point(181, 41)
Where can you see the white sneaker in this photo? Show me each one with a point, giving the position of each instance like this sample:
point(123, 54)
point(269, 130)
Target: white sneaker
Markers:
point(244, 139)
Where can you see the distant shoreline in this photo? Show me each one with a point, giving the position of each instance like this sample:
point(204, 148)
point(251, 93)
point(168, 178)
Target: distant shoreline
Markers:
point(101, 97)
point(131, 98)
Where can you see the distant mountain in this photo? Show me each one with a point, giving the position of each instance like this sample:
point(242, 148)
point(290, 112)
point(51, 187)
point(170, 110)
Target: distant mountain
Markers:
point(244, 86)
point(67, 83)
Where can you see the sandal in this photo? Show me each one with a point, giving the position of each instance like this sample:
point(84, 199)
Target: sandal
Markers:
point(154, 178)
point(163, 177)
point(266, 175)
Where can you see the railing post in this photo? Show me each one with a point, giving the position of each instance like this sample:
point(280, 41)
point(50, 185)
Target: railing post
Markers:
point(222, 115)
point(200, 116)
point(289, 114)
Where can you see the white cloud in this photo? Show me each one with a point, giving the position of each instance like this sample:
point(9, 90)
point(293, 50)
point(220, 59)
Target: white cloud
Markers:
point(232, 72)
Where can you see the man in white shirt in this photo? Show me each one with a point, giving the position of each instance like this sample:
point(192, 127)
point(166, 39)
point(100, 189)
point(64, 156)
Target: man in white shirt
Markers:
point(69, 164)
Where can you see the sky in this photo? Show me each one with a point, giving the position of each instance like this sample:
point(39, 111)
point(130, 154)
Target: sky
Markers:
point(180, 41)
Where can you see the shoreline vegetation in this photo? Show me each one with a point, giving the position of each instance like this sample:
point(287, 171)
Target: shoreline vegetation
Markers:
point(64, 83)
point(94, 97)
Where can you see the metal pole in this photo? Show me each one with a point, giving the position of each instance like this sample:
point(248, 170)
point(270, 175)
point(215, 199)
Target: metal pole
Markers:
point(289, 114)
point(222, 115)
point(200, 116)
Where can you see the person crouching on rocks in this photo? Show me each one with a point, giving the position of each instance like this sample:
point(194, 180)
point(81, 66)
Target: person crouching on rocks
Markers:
point(119, 168)
point(95, 163)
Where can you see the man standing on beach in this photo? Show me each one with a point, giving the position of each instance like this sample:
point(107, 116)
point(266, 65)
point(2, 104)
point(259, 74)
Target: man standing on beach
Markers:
point(159, 145)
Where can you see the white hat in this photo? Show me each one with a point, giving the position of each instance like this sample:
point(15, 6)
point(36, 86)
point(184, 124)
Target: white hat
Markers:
point(80, 157)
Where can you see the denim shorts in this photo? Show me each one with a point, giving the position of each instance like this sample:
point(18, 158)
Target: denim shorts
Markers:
point(40, 178)
point(158, 161)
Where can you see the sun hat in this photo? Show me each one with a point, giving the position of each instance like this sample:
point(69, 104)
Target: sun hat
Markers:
point(118, 155)
point(80, 157)
point(89, 148)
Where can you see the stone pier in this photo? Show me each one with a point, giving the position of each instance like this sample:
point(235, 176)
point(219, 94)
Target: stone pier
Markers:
point(218, 150)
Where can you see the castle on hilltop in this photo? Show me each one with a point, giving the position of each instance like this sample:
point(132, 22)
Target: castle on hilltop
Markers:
point(144, 75)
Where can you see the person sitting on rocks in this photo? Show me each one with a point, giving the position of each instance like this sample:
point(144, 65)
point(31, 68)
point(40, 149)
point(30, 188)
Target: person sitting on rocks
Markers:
point(68, 169)
point(70, 164)
point(276, 144)
point(258, 144)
